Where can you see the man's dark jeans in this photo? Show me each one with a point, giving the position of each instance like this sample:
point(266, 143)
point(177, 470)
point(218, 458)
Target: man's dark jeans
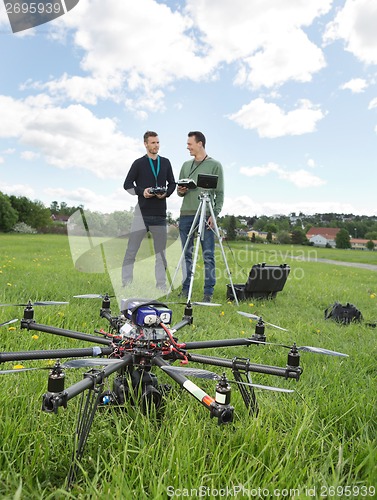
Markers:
point(156, 225)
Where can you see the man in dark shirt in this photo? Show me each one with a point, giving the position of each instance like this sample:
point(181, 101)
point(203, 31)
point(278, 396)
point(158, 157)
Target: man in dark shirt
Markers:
point(147, 173)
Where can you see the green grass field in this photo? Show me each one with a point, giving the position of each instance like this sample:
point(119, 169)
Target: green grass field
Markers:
point(318, 442)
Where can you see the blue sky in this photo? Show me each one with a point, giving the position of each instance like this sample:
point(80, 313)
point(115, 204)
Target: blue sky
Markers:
point(284, 90)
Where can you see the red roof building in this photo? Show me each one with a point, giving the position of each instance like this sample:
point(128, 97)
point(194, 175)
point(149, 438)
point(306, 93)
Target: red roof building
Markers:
point(322, 236)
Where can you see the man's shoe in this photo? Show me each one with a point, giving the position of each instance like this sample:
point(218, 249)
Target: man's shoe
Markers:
point(207, 298)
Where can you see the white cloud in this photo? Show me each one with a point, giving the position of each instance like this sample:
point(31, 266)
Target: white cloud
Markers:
point(81, 89)
point(269, 42)
point(92, 201)
point(356, 24)
point(355, 85)
point(4, 21)
point(269, 120)
point(310, 163)
point(18, 190)
point(373, 103)
point(302, 179)
point(29, 155)
point(260, 171)
point(247, 205)
point(299, 178)
point(71, 137)
point(129, 53)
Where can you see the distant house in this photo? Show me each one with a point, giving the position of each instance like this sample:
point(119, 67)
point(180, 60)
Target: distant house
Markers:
point(259, 234)
point(322, 236)
point(60, 218)
point(361, 244)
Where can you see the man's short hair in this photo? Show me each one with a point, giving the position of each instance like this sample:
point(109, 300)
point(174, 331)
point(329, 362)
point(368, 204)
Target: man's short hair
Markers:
point(149, 133)
point(199, 137)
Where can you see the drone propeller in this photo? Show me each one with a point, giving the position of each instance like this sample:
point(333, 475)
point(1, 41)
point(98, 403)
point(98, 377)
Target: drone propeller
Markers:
point(206, 304)
point(200, 373)
point(254, 316)
point(17, 370)
point(304, 348)
point(32, 304)
point(74, 363)
point(189, 303)
point(8, 322)
point(93, 296)
point(81, 363)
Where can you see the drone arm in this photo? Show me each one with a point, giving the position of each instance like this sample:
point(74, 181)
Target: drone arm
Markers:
point(223, 412)
point(30, 325)
point(106, 313)
point(187, 320)
point(245, 365)
point(217, 343)
point(55, 354)
point(52, 401)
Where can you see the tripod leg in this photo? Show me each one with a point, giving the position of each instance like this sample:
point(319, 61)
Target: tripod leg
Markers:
point(191, 232)
point(200, 235)
point(217, 234)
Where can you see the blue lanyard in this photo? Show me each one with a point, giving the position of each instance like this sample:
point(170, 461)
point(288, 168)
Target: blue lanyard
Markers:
point(153, 169)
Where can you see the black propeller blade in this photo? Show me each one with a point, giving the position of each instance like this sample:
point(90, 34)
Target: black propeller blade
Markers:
point(305, 348)
point(17, 370)
point(74, 363)
point(188, 304)
point(32, 304)
point(8, 322)
point(200, 373)
point(82, 363)
point(254, 316)
point(93, 296)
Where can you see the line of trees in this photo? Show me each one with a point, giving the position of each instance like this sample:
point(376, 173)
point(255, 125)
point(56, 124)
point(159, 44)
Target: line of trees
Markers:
point(23, 213)
point(295, 227)
point(20, 210)
point(19, 214)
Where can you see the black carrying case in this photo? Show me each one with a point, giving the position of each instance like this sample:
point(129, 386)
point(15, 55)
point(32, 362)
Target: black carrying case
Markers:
point(264, 282)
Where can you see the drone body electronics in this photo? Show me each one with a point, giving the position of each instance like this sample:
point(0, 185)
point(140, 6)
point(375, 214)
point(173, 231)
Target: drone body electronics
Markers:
point(140, 340)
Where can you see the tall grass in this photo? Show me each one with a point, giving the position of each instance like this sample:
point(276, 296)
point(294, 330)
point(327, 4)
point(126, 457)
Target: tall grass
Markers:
point(321, 437)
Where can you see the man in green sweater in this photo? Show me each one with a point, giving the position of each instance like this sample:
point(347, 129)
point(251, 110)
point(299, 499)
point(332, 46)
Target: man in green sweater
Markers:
point(201, 164)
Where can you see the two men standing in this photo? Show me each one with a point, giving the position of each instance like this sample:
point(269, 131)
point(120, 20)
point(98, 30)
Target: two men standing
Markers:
point(150, 214)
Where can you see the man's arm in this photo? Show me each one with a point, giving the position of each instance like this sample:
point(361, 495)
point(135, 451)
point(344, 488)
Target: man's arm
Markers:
point(130, 181)
point(170, 180)
point(219, 192)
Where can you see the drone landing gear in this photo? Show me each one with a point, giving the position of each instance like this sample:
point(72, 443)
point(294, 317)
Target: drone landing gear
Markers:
point(247, 391)
point(88, 406)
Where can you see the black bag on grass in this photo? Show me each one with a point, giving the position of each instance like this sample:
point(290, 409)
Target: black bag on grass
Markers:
point(343, 314)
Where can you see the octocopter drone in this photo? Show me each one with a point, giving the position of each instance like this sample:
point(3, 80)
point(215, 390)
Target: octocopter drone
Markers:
point(140, 340)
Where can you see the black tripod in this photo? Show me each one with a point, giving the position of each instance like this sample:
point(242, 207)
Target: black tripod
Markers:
point(205, 201)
